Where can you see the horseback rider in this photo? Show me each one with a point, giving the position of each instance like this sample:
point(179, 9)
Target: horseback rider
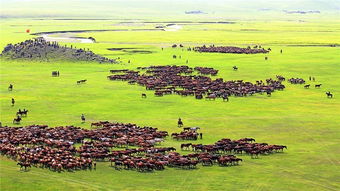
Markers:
point(82, 118)
point(180, 123)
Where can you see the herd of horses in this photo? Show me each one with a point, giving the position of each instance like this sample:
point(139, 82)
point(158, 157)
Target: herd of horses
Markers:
point(125, 146)
point(231, 49)
point(181, 80)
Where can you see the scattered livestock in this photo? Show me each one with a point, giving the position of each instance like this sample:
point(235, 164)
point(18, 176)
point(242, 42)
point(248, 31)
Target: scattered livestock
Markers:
point(55, 74)
point(318, 85)
point(17, 120)
point(179, 80)
point(10, 87)
point(296, 81)
point(143, 95)
point(82, 117)
point(81, 81)
point(22, 112)
point(13, 102)
point(230, 49)
point(180, 122)
point(329, 95)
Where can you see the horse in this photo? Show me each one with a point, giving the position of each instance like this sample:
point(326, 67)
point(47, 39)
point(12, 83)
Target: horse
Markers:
point(235, 68)
point(81, 81)
point(10, 87)
point(55, 74)
point(24, 164)
point(307, 86)
point(185, 146)
point(225, 97)
point(82, 118)
point(211, 97)
point(329, 95)
point(17, 120)
point(22, 113)
point(269, 93)
point(143, 95)
point(318, 85)
point(179, 123)
point(194, 128)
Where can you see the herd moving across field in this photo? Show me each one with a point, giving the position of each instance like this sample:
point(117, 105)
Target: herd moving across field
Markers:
point(180, 80)
point(125, 146)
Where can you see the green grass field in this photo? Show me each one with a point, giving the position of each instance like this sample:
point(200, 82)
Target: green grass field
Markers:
point(303, 119)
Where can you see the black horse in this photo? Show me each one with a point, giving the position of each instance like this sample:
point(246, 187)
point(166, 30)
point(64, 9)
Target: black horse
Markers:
point(225, 97)
point(329, 95)
point(23, 112)
point(82, 118)
point(180, 123)
point(17, 120)
point(24, 165)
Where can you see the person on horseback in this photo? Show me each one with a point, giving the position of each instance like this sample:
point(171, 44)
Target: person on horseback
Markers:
point(82, 118)
point(180, 123)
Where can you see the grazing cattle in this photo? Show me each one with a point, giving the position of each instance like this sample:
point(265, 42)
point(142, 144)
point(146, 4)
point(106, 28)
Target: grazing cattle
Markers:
point(266, 58)
point(143, 95)
point(269, 93)
point(318, 85)
point(10, 87)
point(235, 68)
point(329, 95)
point(13, 101)
point(307, 86)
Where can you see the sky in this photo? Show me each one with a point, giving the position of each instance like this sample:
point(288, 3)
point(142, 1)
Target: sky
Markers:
point(113, 8)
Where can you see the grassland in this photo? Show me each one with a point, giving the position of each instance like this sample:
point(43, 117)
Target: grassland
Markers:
point(303, 119)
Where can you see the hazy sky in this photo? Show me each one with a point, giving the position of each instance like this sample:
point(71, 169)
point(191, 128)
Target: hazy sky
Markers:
point(112, 7)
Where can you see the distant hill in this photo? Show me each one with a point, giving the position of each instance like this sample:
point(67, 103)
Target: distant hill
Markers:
point(39, 49)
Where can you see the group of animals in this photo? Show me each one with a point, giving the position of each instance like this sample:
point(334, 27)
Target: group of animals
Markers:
point(181, 80)
point(55, 148)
